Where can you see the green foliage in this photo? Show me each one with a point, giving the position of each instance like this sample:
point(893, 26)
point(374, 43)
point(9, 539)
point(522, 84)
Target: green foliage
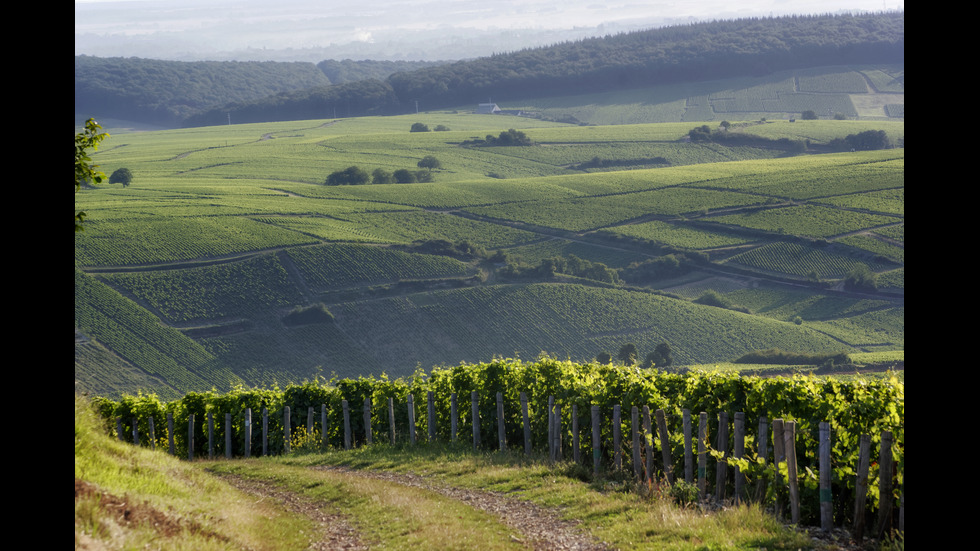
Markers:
point(808, 115)
point(441, 128)
point(429, 162)
point(381, 176)
point(405, 176)
point(121, 176)
point(781, 357)
point(861, 278)
point(350, 176)
point(305, 315)
point(86, 172)
point(628, 354)
point(419, 127)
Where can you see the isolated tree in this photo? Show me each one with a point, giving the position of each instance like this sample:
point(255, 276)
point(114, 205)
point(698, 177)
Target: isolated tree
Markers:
point(808, 115)
point(121, 176)
point(627, 354)
point(87, 172)
point(429, 162)
point(664, 354)
point(419, 127)
point(725, 125)
point(423, 176)
point(603, 357)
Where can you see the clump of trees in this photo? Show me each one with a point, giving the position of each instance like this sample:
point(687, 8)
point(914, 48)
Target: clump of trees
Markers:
point(671, 265)
point(506, 138)
point(661, 357)
point(350, 176)
point(442, 128)
point(808, 115)
point(704, 134)
point(419, 127)
point(355, 176)
point(461, 250)
point(861, 278)
point(574, 266)
point(868, 140)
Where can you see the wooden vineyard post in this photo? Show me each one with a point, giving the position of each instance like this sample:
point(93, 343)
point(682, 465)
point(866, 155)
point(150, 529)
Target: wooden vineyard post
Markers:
point(346, 409)
point(635, 429)
point(210, 435)
point(475, 406)
point(665, 446)
point(576, 452)
point(136, 432)
point(368, 435)
point(527, 424)
point(596, 450)
point(431, 415)
point(721, 468)
point(324, 440)
point(778, 456)
point(172, 448)
point(558, 435)
point(617, 438)
point(286, 428)
point(501, 430)
point(309, 422)
point(190, 437)
point(248, 432)
point(763, 443)
point(651, 475)
point(391, 420)
point(411, 419)
point(885, 473)
point(153, 436)
point(551, 428)
point(826, 503)
point(688, 452)
point(703, 455)
point(861, 485)
point(265, 432)
point(119, 430)
point(453, 417)
point(789, 439)
point(228, 434)
point(738, 453)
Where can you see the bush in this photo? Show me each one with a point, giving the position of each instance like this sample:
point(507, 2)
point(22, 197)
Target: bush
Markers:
point(442, 128)
point(419, 127)
point(808, 115)
point(861, 278)
point(121, 176)
point(423, 176)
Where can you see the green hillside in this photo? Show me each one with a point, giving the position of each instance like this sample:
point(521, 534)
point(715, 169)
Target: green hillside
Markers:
point(187, 278)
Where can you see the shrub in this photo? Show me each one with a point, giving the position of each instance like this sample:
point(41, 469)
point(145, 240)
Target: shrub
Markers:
point(382, 176)
point(808, 115)
point(404, 176)
point(442, 128)
point(419, 127)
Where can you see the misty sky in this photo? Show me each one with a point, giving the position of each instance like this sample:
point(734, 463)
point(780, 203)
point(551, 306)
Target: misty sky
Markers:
point(312, 30)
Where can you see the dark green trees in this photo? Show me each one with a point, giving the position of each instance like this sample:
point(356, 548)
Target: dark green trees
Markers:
point(429, 162)
point(121, 176)
point(419, 127)
point(86, 171)
point(350, 176)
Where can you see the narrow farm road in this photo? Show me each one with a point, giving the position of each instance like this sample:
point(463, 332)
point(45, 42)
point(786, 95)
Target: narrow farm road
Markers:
point(539, 527)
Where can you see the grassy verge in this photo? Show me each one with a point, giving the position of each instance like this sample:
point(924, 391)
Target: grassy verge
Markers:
point(132, 498)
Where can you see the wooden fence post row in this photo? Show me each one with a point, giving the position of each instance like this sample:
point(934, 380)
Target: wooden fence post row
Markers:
point(643, 439)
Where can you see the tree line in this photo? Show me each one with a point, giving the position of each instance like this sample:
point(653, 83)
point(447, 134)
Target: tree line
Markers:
point(189, 93)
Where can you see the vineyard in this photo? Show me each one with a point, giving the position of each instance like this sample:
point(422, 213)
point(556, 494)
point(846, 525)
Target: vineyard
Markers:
point(499, 390)
point(186, 278)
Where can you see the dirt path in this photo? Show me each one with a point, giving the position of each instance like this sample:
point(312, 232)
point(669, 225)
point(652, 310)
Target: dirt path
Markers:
point(334, 531)
point(540, 528)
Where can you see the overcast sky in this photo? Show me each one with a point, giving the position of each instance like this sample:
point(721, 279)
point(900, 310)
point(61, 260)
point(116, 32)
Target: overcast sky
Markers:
point(312, 30)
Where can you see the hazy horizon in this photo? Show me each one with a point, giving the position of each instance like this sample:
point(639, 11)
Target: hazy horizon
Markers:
point(305, 30)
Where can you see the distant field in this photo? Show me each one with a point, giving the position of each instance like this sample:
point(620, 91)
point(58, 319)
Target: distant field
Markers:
point(187, 274)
